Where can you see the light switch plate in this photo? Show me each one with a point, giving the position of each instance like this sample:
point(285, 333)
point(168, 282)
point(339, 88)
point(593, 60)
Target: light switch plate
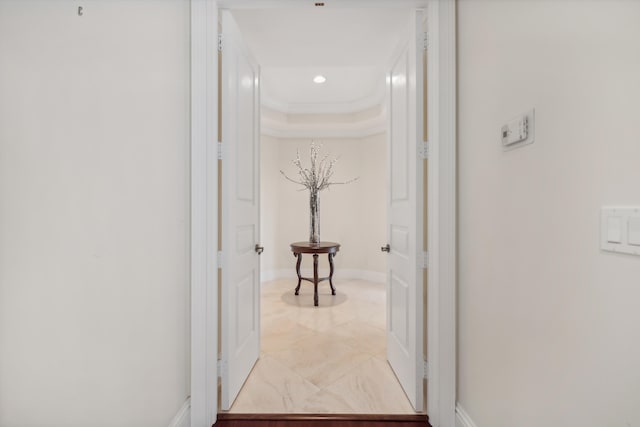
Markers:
point(633, 230)
point(620, 230)
point(518, 131)
point(614, 229)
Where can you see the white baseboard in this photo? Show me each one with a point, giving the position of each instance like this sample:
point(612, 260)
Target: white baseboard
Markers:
point(371, 276)
point(268, 276)
point(374, 276)
point(462, 418)
point(348, 274)
point(183, 417)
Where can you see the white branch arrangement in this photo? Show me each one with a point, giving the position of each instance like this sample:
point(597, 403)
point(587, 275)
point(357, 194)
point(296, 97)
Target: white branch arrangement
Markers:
point(317, 177)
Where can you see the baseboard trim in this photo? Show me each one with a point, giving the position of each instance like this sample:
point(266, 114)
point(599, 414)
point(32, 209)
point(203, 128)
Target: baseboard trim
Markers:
point(373, 276)
point(183, 417)
point(422, 418)
point(462, 418)
point(346, 274)
point(270, 275)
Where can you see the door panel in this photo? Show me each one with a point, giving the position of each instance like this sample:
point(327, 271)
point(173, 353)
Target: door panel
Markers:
point(399, 299)
point(240, 212)
point(404, 276)
point(399, 130)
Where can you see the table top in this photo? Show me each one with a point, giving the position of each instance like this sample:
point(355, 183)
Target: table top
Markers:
point(315, 248)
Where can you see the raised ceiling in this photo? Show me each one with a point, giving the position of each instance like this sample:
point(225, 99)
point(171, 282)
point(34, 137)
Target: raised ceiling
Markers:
point(349, 46)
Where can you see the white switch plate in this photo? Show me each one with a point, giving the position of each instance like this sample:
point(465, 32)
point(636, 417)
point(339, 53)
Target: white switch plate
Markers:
point(620, 230)
point(518, 131)
point(633, 230)
point(614, 229)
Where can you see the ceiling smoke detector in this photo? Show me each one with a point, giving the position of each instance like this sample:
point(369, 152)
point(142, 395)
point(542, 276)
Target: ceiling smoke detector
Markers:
point(319, 79)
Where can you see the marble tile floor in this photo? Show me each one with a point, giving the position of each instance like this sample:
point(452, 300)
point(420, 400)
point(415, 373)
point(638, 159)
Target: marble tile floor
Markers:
point(326, 359)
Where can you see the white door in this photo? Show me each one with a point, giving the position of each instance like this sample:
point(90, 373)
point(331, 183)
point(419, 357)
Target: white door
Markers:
point(404, 272)
point(240, 334)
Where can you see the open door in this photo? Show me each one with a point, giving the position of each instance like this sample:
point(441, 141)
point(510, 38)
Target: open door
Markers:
point(240, 331)
point(405, 206)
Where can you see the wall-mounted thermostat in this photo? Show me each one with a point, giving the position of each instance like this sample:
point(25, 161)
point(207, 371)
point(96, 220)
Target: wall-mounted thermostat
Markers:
point(519, 131)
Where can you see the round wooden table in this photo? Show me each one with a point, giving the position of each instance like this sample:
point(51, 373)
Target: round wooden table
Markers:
point(329, 248)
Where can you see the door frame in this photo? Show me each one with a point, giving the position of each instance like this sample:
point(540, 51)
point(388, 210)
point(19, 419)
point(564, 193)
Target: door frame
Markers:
point(442, 216)
point(441, 309)
point(204, 213)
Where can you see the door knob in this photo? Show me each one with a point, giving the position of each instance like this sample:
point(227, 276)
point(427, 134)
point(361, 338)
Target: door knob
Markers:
point(386, 248)
point(259, 249)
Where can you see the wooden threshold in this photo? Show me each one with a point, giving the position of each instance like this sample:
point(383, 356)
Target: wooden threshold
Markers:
point(337, 420)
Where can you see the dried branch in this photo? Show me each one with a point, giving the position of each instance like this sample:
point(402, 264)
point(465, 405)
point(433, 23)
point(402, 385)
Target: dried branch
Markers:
point(290, 179)
point(318, 176)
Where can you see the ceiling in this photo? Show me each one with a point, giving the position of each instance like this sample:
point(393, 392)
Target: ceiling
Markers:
point(350, 47)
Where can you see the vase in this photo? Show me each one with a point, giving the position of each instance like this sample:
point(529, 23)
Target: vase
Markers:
point(314, 217)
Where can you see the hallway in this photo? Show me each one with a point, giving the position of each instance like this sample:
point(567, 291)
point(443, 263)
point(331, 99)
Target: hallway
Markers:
point(327, 359)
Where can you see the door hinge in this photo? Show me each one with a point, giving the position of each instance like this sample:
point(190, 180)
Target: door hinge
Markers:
point(424, 261)
point(425, 370)
point(423, 149)
point(222, 369)
point(219, 259)
point(219, 42)
point(219, 150)
point(425, 41)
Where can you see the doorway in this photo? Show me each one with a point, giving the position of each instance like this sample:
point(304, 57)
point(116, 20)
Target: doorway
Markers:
point(365, 126)
point(442, 380)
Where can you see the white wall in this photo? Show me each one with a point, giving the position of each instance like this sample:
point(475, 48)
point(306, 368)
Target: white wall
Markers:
point(374, 194)
point(353, 215)
point(269, 202)
point(94, 208)
point(548, 324)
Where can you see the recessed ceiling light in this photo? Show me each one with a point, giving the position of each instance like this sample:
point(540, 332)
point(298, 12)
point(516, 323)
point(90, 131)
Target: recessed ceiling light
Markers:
point(319, 79)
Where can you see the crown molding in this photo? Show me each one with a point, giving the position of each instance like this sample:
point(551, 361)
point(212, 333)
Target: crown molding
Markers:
point(321, 133)
point(357, 106)
point(357, 129)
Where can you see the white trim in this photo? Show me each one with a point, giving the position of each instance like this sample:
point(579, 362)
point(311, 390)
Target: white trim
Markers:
point(441, 336)
point(204, 221)
point(271, 275)
point(339, 274)
point(327, 133)
point(183, 417)
point(271, 4)
point(432, 203)
point(279, 126)
point(373, 276)
point(462, 418)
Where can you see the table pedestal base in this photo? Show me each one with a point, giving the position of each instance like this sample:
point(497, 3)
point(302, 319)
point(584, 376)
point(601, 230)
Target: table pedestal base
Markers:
point(315, 279)
point(329, 248)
